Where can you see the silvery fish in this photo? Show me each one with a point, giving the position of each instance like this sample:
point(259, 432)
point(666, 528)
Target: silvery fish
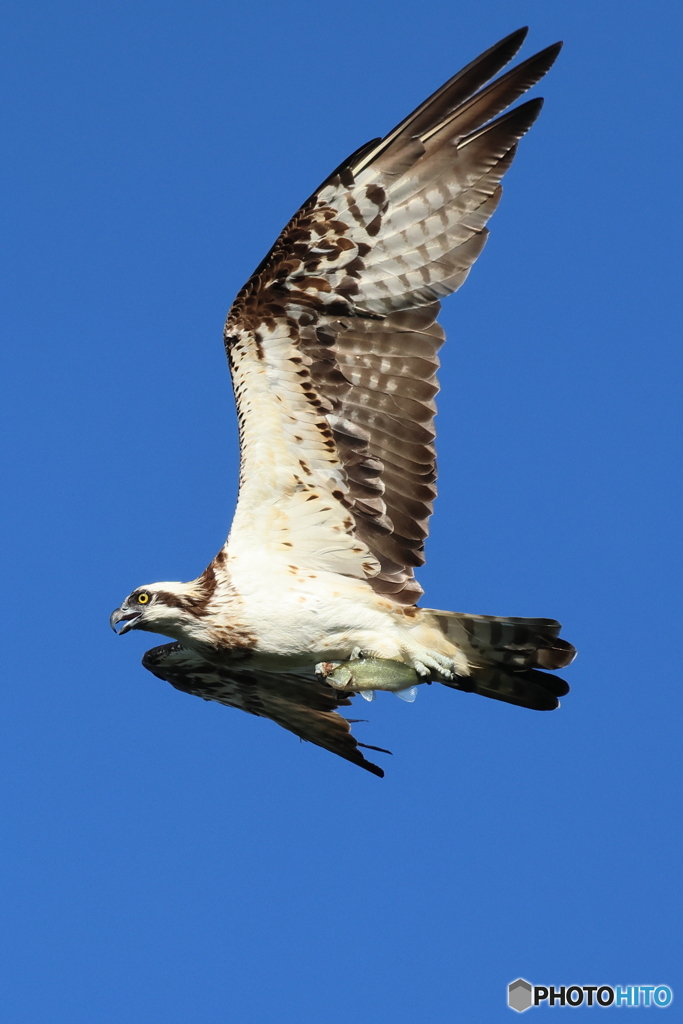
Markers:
point(364, 674)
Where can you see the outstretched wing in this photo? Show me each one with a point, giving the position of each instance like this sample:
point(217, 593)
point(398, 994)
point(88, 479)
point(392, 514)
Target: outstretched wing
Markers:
point(299, 702)
point(333, 341)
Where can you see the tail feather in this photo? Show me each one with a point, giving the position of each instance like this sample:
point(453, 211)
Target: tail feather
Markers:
point(528, 689)
point(505, 655)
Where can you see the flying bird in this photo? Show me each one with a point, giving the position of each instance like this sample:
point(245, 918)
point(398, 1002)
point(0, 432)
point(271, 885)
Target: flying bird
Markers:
point(332, 345)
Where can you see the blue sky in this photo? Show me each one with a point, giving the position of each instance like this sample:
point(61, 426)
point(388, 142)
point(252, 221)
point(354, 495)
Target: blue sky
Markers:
point(165, 860)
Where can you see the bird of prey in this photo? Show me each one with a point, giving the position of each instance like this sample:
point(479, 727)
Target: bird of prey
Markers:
point(332, 345)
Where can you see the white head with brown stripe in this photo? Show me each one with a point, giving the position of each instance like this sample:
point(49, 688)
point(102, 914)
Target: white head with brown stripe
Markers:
point(172, 609)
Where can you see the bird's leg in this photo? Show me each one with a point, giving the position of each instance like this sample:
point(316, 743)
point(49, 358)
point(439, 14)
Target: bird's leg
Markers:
point(430, 664)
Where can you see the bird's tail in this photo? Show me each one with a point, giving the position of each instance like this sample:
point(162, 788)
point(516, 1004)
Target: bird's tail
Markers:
point(507, 656)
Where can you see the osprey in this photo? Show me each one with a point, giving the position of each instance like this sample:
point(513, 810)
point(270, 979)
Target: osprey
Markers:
point(332, 346)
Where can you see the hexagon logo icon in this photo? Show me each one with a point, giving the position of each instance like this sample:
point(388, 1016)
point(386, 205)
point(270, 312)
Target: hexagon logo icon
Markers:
point(519, 995)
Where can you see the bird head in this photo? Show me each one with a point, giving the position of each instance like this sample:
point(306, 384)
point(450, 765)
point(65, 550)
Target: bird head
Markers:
point(166, 608)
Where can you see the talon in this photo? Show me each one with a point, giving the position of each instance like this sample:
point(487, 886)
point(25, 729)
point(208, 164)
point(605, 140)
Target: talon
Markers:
point(429, 664)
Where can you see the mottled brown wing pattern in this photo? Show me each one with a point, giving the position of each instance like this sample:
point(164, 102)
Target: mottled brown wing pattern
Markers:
point(379, 377)
point(352, 287)
point(299, 702)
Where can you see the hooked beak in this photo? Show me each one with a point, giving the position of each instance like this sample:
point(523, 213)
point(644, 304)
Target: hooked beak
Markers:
point(128, 618)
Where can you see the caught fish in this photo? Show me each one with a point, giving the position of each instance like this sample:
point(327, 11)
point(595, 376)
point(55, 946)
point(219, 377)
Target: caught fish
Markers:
point(363, 674)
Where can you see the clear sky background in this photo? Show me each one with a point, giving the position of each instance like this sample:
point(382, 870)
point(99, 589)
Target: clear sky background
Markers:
point(169, 861)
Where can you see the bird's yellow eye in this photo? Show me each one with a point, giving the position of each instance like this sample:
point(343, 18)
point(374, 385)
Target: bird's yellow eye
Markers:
point(143, 598)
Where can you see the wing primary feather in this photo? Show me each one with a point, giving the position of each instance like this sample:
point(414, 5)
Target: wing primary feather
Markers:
point(453, 92)
point(368, 746)
point(499, 94)
point(517, 122)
